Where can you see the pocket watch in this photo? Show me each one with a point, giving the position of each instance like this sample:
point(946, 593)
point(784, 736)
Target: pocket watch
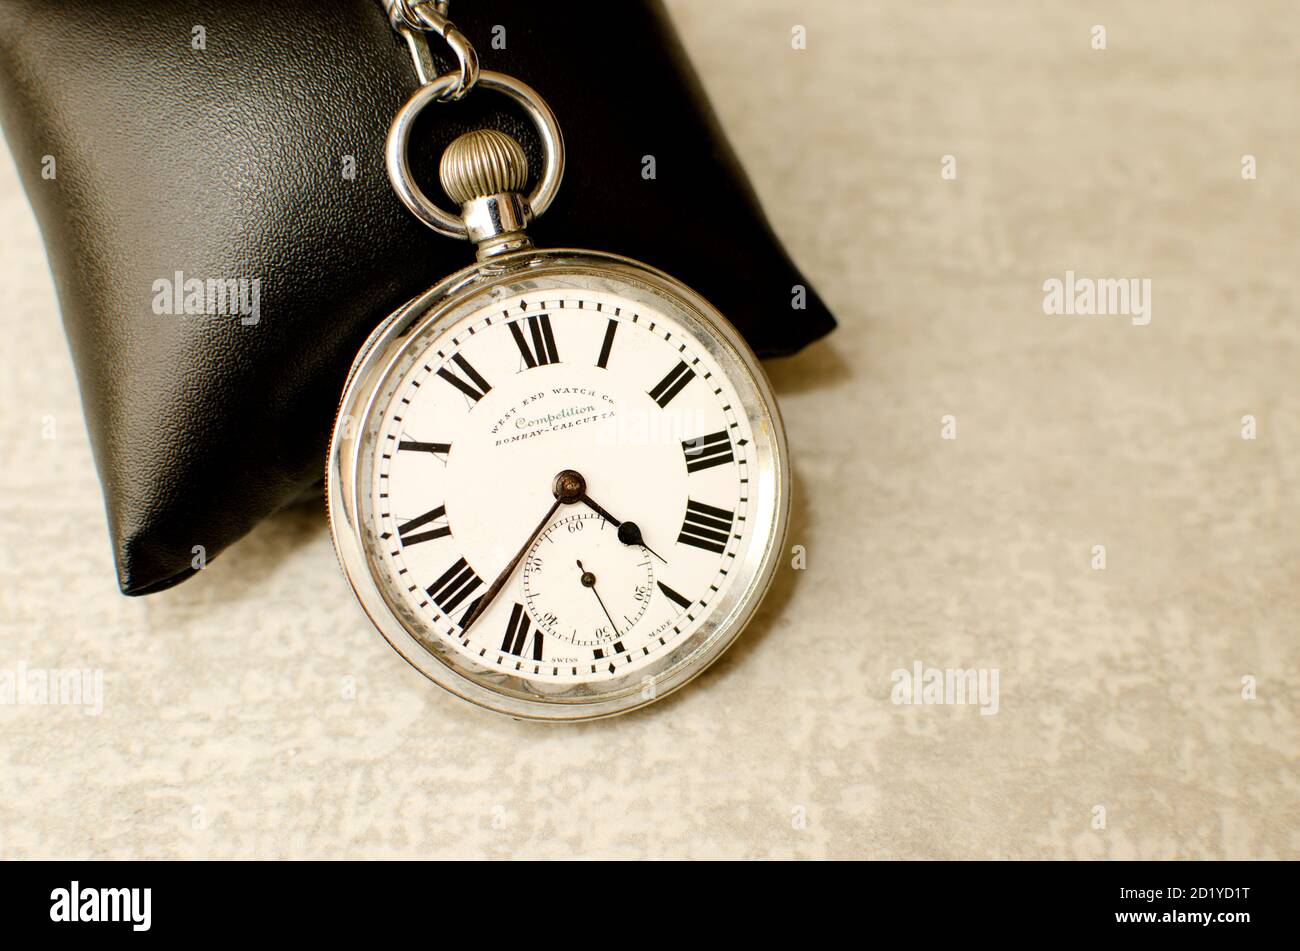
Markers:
point(558, 480)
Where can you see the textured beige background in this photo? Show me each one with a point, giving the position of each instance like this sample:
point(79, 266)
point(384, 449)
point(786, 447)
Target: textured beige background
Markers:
point(225, 731)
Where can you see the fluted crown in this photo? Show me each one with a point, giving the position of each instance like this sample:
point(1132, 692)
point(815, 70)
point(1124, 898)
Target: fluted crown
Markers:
point(481, 163)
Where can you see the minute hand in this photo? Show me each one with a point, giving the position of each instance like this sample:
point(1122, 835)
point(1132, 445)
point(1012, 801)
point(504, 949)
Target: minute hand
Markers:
point(629, 533)
point(482, 603)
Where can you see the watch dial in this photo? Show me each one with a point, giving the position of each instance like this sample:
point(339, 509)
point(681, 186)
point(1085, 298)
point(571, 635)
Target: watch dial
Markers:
point(470, 442)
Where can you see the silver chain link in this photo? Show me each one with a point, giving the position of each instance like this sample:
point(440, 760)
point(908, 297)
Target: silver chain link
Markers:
point(415, 20)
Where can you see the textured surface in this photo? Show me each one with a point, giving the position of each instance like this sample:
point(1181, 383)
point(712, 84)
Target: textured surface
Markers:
point(226, 729)
point(259, 159)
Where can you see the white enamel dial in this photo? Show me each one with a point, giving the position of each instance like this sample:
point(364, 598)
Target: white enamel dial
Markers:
point(516, 392)
point(557, 484)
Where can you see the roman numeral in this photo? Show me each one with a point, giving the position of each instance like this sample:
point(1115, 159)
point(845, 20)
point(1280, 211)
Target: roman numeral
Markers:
point(672, 384)
point(541, 351)
point(681, 599)
point(436, 448)
point(705, 452)
point(706, 527)
point(456, 584)
point(517, 634)
point(610, 329)
point(476, 388)
point(438, 531)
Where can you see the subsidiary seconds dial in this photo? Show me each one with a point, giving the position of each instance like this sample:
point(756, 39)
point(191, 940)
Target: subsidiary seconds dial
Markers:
point(583, 586)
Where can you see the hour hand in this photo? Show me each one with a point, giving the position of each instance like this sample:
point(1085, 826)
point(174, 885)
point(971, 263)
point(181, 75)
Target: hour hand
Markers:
point(629, 533)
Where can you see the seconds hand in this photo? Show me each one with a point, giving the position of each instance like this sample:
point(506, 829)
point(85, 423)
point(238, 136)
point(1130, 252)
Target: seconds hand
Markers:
point(589, 581)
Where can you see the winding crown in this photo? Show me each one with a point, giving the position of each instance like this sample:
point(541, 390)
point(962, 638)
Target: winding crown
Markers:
point(482, 163)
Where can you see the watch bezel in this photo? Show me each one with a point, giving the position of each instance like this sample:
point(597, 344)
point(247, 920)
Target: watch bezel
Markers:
point(390, 351)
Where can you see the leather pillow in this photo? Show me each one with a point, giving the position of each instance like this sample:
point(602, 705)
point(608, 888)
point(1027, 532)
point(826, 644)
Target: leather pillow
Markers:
point(213, 142)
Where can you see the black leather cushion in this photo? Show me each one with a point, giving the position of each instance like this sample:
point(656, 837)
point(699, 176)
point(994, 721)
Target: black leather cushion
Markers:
point(227, 162)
